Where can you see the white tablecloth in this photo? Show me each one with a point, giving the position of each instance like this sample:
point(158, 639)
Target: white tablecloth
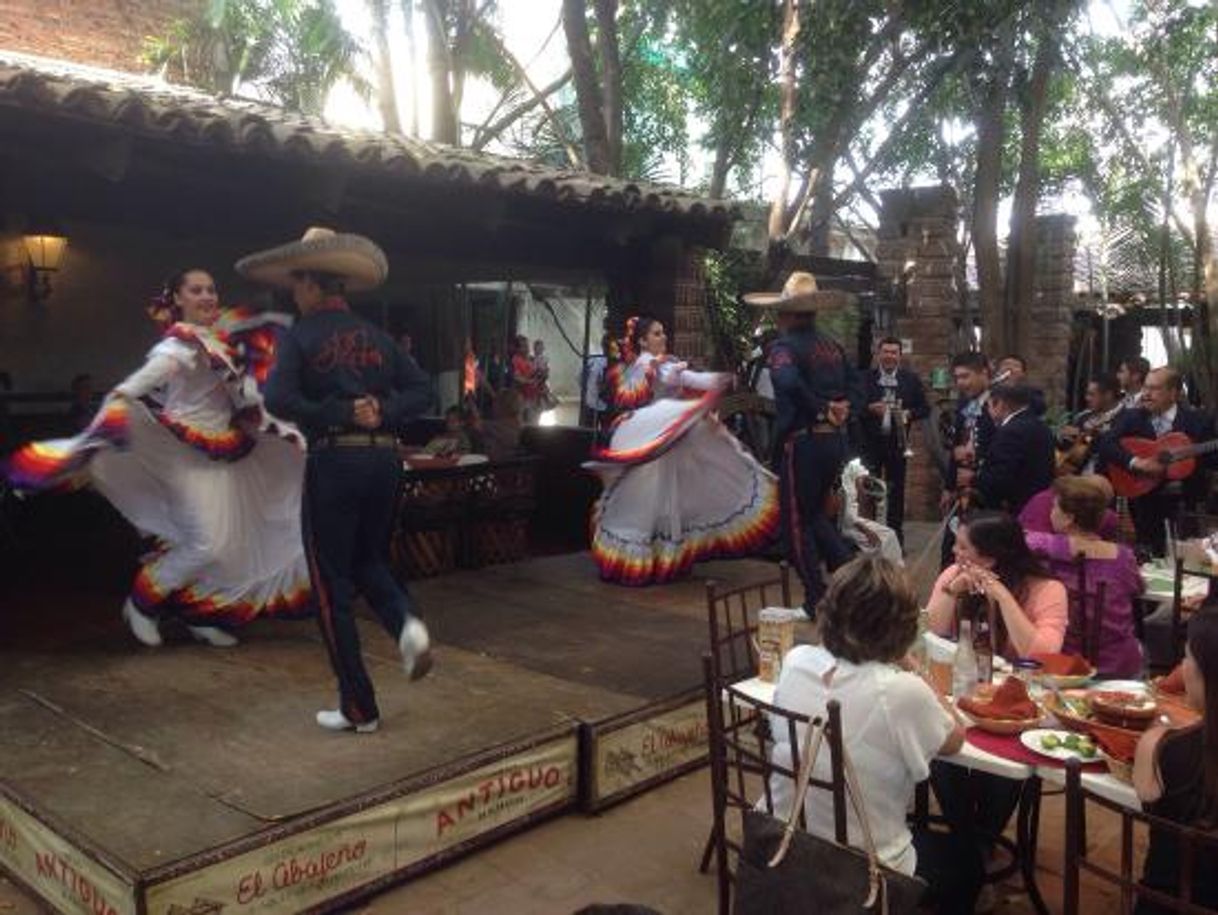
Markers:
point(971, 757)
point(1160, 584)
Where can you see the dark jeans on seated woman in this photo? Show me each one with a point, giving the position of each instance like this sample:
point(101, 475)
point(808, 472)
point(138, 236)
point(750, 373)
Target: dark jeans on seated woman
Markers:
point(975, 804)
point(952, 867)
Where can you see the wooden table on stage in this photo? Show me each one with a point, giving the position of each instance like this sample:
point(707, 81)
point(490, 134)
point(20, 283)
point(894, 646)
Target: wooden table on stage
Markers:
point(463, 515)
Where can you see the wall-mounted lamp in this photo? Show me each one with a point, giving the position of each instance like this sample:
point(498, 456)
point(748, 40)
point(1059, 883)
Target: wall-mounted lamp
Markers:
point(45, 246)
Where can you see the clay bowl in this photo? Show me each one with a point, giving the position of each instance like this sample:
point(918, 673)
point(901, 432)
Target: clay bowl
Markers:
point(1123, 710)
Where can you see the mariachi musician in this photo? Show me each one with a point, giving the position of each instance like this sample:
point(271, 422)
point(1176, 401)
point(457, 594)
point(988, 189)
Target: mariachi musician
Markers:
point(895, 400)
point(1162, 411)
point(1020, 458)
point(1077, 440)
point(972, 430)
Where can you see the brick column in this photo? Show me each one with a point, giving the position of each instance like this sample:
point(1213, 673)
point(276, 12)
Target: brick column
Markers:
point(1045, 330)
point(666, 280)
point(917, 248)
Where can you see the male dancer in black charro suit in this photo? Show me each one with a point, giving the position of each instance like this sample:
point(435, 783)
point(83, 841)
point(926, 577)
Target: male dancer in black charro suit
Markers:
point(816, 389)
point(350, 388)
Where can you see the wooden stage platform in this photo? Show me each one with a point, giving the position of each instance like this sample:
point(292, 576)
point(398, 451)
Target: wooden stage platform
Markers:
point(190, 779)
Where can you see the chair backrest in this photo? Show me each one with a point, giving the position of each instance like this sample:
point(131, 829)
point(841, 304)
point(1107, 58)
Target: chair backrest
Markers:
point(1197, 851)
point(1179, 627)
point(732, 617)
point(1192, 525)
point(743, 731)
point(1085, 611)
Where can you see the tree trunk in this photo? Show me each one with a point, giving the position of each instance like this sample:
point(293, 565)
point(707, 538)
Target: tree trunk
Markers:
point(386, 93)
point(991, 132)
point(821, 215)
point(443, 112)
point(786, 82)
point(1021, 243)
point(587, 87)
point(412, 53)
point(611, 79)
point(721, 167)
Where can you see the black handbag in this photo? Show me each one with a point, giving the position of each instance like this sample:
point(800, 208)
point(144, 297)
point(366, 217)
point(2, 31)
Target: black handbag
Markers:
point(784, 870)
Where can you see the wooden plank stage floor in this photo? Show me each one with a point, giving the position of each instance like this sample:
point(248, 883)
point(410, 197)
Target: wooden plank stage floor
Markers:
point(155, 755)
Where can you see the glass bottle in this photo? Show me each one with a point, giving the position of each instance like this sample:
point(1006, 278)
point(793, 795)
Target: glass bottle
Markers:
point(964, 667)
point(983, 646)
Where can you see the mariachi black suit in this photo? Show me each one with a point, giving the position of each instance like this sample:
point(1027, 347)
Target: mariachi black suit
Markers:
point(883, 453)
point(1165, 502)
point(984, 433)
point(1018, 464)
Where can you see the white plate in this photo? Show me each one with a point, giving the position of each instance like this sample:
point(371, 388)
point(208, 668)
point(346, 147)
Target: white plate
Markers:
point(1136, 687)
point(1031, 740)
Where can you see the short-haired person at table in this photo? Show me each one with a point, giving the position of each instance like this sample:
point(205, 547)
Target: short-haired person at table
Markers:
point(1163, 410)
point(1175, 774)
point(993, 560)
point(1079, 507)
point(893, 725)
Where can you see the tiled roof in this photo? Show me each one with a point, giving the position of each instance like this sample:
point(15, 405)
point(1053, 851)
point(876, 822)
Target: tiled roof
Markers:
point(148, 106)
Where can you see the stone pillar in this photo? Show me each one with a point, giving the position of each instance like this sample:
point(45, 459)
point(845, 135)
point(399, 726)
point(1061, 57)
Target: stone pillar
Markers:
point(691, 326)
point(668, 281)
point(917, 250)
point(1045, 330)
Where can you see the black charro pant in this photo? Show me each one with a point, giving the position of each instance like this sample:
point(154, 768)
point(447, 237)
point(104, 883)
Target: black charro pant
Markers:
point(809, 466)
point(886, 459)
point(349, 505)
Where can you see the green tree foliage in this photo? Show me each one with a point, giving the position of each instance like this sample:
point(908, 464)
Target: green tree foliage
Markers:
point(291, 52)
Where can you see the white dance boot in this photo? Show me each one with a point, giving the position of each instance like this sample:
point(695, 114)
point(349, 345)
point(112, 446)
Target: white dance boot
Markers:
point(415, 645)
point(335, 720)
point(144, 628)
point(213, 636)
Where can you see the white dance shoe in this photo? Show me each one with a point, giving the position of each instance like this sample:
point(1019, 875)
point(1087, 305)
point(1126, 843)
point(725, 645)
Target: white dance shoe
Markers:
point(335, 720)
point(213, 636)
point(144, 628)
point(415, 645)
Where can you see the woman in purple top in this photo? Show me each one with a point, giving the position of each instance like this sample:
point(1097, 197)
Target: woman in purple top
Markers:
point(1077, 515)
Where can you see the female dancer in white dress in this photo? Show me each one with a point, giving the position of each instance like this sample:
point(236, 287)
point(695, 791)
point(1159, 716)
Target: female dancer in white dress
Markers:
point(183, 449)
point(679, 488)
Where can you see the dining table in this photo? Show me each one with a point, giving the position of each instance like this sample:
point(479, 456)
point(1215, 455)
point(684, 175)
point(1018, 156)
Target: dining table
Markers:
point(1007, 758)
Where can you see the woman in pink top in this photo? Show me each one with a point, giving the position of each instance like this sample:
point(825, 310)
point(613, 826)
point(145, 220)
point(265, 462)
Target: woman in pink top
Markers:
point(993, 559)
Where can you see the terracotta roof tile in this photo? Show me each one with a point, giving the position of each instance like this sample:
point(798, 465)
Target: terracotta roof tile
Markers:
point(149, 106)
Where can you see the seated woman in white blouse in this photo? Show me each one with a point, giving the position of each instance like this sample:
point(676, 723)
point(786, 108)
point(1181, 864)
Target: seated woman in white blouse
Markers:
point(893, 725)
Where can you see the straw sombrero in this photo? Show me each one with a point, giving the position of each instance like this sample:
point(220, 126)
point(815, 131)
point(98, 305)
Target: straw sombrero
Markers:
point(800, 293)
point(358, 260)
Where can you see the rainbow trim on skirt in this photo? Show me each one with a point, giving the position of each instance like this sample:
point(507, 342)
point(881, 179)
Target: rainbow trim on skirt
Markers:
point(52, 464)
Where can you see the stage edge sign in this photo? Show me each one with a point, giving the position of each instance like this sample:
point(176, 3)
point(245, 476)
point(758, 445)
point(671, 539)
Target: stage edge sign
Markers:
point(648, 749)
point(308, 868)
point(56, 870)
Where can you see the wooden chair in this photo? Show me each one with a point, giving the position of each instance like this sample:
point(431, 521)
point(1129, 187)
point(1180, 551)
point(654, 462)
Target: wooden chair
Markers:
point(742, 736)
point(1198, 849)
point(731, 614)
point(1085, 621)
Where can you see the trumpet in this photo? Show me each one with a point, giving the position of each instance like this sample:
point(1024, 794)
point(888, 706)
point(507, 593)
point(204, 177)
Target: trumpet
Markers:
point(896, 420)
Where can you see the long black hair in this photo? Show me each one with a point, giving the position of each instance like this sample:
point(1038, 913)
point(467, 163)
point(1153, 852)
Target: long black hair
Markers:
point(1203, 646)
point(998, 536)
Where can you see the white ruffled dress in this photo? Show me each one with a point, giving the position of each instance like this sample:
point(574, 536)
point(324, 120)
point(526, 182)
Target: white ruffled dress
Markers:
point(679, 488)
point(183, 449)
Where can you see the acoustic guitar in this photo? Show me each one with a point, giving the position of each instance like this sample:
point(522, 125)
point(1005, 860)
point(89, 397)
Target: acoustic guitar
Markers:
point(1176, 452)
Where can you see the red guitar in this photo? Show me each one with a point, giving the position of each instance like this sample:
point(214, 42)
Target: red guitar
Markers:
point(1175, 451)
